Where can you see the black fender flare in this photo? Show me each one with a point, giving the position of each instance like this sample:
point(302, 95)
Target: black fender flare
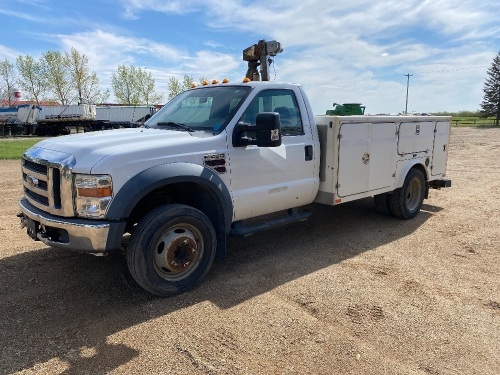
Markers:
point(165, 174)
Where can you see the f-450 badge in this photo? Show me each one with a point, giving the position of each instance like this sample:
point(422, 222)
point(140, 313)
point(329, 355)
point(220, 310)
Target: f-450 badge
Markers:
point(216, 162)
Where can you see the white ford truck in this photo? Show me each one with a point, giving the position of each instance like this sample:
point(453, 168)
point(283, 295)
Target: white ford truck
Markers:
point(213, 157)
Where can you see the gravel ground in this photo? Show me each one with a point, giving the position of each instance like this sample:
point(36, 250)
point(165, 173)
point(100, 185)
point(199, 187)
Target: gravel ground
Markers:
point(347, 292)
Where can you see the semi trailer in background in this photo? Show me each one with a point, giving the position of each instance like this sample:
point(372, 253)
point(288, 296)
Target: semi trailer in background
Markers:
point(52, 120)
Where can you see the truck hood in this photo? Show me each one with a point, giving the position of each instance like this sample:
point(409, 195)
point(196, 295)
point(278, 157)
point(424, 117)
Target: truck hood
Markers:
point(90, 148)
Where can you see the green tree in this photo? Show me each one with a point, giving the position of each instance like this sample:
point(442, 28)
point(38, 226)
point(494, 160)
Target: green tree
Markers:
point(58, 75)
point(134, 86)
point(176, 86)
point(146, 87)
point(85, 82)
point(491, 100)
point(124, 85)
point(8, 79)
point(32, 78)
point(92, 92)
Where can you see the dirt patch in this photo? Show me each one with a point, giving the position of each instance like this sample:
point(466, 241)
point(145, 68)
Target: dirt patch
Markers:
point(347, 292)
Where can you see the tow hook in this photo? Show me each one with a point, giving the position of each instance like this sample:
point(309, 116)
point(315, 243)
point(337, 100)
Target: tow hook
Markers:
point(23, 222)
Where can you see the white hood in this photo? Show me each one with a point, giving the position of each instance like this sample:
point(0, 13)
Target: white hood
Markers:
point(115, 147)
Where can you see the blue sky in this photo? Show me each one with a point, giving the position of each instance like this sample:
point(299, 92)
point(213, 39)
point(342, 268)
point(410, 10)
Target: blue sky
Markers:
point(356, 51)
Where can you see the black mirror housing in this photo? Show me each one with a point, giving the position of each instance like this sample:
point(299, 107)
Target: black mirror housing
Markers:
point(267, 131)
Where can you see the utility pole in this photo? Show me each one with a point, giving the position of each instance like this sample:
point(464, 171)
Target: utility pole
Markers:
point(407, 86)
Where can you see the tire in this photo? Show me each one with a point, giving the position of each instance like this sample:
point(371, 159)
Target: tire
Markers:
point(171, 250)
point(40, 131)
point(383, 203)
point(407, 200)
point(26, 130)
point(66, 130)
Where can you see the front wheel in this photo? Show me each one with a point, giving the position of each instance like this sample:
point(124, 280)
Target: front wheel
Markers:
point(407, 200)
point(171, 249)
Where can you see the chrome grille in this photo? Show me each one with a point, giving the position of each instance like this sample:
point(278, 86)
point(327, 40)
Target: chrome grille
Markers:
point(35, 167)
point(37, 197)
point(47, 180)
point(41, 184)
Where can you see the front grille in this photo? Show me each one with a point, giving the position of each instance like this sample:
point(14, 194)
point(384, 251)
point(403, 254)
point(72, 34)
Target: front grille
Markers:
point(35, 167)
point(41, 183)
point(47, 180)
point(37, 197)
point(36, 182)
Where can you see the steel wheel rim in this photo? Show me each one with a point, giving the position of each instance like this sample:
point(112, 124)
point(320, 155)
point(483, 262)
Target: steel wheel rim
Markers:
point(413, 194)
point(178, 251)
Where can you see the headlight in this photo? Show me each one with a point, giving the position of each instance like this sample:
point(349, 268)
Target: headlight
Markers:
point(93, 195)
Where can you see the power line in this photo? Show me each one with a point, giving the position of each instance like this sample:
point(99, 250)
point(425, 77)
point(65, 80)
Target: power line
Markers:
point(407, 87)
point(374, 78)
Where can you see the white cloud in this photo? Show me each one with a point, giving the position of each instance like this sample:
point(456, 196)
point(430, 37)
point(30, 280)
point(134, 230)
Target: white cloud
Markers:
point(22, 15)
point(340, 51)
point(133, 8)
point(211, 65)
point(106, 50)
point(213, 44)
point(8, 53)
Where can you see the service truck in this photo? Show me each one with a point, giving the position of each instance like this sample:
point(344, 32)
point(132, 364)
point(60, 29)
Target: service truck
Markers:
point(209, 160)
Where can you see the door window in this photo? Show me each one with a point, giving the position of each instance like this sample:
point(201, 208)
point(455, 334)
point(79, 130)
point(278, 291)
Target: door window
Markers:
point(280, 101)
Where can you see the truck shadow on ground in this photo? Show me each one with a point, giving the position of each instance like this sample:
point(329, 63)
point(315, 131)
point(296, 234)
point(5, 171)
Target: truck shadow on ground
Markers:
point(57, 304)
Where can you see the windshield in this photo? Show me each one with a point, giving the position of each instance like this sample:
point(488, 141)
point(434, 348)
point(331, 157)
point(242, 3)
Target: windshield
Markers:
point(208, 109)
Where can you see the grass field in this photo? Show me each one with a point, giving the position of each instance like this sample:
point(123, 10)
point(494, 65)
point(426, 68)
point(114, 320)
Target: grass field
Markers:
point(13, 148)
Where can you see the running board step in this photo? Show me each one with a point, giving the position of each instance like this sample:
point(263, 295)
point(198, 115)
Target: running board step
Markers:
point(294, 215)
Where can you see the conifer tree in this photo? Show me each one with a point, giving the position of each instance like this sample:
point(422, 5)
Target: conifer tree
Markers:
point(491, 100)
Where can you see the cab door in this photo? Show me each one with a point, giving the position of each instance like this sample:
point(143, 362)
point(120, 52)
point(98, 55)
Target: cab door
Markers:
point(270, 179)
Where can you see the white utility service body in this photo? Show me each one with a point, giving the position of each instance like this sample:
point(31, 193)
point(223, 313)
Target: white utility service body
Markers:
point(362, 156)
point(211, 158)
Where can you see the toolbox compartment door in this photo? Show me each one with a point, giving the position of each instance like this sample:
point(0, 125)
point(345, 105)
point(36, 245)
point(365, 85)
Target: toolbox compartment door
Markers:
point(415, 137)
point(440, 153)
point(367, 154)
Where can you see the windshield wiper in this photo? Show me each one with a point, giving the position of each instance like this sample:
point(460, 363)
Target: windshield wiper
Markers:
point(175, 125)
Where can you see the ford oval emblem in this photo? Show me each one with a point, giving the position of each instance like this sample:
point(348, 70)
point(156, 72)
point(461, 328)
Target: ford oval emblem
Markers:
point(32, 181)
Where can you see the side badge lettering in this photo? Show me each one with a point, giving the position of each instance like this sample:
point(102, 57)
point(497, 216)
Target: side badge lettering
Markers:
point(216, 162)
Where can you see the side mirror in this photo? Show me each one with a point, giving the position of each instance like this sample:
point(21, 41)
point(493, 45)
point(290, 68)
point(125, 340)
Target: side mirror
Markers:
point(267, 131)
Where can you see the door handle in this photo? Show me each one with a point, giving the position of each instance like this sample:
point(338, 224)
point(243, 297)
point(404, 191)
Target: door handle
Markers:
point(308, 150)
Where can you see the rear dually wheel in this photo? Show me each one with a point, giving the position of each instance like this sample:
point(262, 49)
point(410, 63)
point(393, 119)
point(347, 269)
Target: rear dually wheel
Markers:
point(407, 200)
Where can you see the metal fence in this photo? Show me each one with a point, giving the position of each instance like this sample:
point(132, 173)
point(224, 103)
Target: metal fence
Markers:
point(473, 122)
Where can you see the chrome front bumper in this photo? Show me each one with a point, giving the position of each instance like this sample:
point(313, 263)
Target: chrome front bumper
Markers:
point(93, 236)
